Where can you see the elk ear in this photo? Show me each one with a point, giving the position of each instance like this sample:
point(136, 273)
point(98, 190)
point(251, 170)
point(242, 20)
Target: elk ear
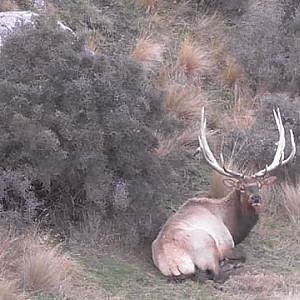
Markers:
point(229, 182)
point(268, 181)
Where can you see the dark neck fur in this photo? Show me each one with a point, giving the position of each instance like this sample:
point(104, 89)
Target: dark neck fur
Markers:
point(240, 218)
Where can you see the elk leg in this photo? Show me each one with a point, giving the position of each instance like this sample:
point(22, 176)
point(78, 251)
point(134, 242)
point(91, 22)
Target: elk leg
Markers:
point(221, 277)
point(202, 276)
point(237, 253)
point(177, 279)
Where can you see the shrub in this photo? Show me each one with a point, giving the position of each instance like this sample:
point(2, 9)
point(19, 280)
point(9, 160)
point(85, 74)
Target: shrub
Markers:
point(266, 40)
point(78, 132)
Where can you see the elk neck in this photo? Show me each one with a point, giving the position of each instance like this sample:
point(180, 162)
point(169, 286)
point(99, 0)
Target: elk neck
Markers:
point(239, 216)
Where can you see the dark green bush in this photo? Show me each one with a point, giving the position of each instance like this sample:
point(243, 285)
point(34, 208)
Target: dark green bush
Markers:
point(267, 42)
point(80, 130)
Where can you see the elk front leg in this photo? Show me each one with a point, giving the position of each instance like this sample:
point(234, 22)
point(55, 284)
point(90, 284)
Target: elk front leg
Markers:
point(236, 254)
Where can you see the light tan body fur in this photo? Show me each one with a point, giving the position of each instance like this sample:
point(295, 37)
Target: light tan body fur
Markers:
point(196, 236)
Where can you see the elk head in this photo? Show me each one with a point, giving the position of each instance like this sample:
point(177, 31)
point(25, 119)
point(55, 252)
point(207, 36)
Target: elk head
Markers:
point(248, 185)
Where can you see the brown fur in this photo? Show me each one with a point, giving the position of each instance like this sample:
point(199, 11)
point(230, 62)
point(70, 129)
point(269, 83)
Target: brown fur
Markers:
point(204, 231)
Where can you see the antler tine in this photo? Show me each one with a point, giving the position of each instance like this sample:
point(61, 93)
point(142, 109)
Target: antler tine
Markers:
point(233, 173)
point(279, 155)
point(208, 155)
point(293, 152)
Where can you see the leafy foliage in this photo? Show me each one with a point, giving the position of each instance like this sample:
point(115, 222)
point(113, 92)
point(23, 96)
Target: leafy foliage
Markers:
point(267, 43)
point(85, 126)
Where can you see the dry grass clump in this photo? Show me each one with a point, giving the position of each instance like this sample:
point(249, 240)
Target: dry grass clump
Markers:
point(94, 41)
point(45, 269)
point(190, 135)
point(165, 146)
point(291, 201)
point(8, 5)
point(29, 265)
point(210, 28)
point(194, 59)
point(232, 71)
point(185, 102)
point(242, 115)
point(148, 51)
point(7, 290)
point(239, 118)
point(148, 4)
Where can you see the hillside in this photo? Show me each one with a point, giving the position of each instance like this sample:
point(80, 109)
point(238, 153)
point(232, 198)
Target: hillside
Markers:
point(98, 132)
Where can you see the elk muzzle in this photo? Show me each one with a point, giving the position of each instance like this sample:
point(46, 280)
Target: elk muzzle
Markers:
point(255, 201)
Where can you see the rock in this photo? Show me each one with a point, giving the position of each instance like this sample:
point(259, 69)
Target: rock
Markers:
point(10, 19)
point(39, 4)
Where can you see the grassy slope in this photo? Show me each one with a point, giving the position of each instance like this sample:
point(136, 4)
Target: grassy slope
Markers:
point(273, 255)
point(271, 271)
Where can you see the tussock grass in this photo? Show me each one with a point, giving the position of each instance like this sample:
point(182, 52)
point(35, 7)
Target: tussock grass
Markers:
point(242, 115)
point(239, 118)
point(29, 265)
point(165, 146)
point(210, 30)
point(291, 201)
point(44, 269)
point(190, 135)
point(148, 4)
point(94, 41)
point(8, 5)
point(148, 51)
point(193, 58)
point(232, 71)
point(7, 290)
point(185, 101)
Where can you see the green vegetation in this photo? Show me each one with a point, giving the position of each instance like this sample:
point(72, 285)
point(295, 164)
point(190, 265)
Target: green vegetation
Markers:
point(97, 148)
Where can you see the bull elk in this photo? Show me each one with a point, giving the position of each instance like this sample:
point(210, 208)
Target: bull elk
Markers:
point(203, 232)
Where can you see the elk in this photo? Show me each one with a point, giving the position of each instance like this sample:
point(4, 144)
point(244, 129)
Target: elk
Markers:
point(203, 233)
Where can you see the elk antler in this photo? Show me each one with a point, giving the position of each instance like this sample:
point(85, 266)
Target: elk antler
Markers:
point(210, 157)
point(279, 154)
point(278, 157)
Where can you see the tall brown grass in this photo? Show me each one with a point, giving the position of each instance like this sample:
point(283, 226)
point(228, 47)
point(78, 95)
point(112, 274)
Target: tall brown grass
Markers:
point(148, 51)
point(231, 71)
point(45, 269)
point(29, 265)
point(165, 146)
point(148, 4)
point(7, 290)
point(185, 101)
point(291, 201)
point(94, 41)
point(194, 58)
point(211, 30)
